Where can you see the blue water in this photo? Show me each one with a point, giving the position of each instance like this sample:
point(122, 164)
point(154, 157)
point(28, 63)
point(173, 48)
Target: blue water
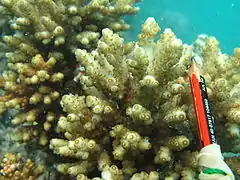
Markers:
point(188, 18)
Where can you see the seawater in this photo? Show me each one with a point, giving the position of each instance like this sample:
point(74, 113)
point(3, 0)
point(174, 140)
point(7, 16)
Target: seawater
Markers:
point(189, 18)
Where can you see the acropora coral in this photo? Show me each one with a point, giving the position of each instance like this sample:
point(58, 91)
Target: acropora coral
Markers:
point(13, 166)
point(40, 61)
point(112, 109)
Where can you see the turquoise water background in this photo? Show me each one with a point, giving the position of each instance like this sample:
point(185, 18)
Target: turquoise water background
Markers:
point(189, 18)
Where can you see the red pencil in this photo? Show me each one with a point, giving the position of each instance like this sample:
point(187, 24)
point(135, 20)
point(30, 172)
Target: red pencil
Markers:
point(204, 118)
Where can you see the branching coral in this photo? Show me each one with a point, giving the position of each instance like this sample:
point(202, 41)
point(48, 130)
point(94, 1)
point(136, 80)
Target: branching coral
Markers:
point(144, 84)
point(127, 98)
point(13, 166)
point(39, 55)
point(127, 110)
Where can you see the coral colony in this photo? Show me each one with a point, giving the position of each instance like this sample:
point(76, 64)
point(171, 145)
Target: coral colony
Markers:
point(110, 109)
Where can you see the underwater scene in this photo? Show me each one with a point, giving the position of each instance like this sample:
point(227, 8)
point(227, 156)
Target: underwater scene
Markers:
point(119, 90)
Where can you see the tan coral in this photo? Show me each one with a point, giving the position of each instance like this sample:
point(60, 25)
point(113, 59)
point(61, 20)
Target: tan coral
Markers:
point(13, 166)
point(117, 86)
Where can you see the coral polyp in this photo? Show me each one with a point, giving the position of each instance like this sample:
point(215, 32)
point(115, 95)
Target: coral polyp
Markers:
point(108, 108)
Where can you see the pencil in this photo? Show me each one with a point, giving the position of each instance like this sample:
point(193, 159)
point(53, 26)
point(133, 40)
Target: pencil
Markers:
point(204, 118)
